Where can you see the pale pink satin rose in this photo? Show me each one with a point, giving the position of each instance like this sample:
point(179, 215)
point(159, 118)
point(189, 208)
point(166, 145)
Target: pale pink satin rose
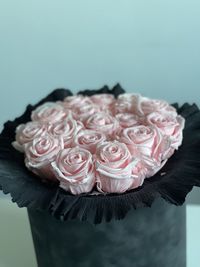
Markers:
point(40, 153)
point(25, 133)
point(177, 137)
point(141, 139)
point(153, 166)
point(71, 102)
point(147, 143)
point(169, 125)
point(103, 122)
point(104, 101)
point(49, 112)
point(139, 173)
point(147, 106)
point(66, 129)
point(129, 96)
point(122, 106)
point(127, 120)
point(83, 112)
point(74, 169)
point(126, 103)
point(114, 166)
point(89, 139)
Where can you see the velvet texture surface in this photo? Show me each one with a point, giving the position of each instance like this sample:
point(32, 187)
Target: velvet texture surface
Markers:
point(27, 190)
point(152, 237)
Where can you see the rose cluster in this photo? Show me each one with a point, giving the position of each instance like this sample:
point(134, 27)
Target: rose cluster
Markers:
point(100, 142)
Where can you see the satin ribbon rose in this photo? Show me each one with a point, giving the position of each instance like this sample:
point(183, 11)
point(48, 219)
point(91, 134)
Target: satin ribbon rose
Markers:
point(66, 129)
point(40, 153)
point(74, 169)
point(127, 120)
point(89, 139)
point(114, 167)
point(126, 103)
point(171, 127)
point(83, 112)
point(103, 122)
point(49, 112)
point(104, 101)
point(147, 106)
point(72, 102)
point(25, 133)
point(148, 144)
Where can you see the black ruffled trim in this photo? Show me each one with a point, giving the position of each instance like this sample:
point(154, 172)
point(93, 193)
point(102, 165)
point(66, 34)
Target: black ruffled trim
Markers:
point(182, 173)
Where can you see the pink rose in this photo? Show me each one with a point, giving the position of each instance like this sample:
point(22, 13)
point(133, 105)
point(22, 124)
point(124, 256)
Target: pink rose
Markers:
point(142, 139)
point(147, 106)
point(177, 137)
point(171, 128)
point(146, 143)
point(71, 102)
point(129, 97)
point(122, 106)
point(89, 139)
point(74, 169)
point(114, 166)
point(126, 103)
point(40, 153)
point(127, 120)
point(169, 125)
point(104, 123)
point(83, 112)
point(25, 133)
point(139, 173)
point(66, 129)
point(103, 100)
point(49, 112)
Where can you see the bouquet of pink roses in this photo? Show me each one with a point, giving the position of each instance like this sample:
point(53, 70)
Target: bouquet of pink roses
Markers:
point(78, 156)
point(99, 141)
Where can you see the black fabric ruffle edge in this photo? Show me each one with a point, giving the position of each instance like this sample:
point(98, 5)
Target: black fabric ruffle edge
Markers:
point(182, 173)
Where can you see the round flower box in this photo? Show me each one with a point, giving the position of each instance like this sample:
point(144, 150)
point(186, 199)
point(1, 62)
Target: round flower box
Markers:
point(92, 222)
point(150, 237)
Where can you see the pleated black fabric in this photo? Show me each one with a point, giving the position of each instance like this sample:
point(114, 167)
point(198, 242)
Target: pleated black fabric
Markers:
point(182, 172)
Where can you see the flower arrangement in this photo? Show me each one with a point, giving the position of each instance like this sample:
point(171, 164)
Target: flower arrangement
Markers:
point(125, 162)
point(99, 142)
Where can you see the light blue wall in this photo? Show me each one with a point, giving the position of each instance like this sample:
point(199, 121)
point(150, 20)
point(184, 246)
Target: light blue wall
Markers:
point(151, 46)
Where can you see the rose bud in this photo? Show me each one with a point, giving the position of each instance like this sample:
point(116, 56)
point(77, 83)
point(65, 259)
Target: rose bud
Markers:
point(114, 166)
point(89, 139)
point(40, 153)
point(25, 133)
point(66, 129)
point(74, 169)
point(104, 123)
point(49, 112)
